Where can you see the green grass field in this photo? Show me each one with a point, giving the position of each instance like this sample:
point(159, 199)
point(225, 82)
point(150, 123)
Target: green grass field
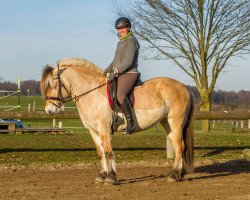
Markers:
point(76, 145)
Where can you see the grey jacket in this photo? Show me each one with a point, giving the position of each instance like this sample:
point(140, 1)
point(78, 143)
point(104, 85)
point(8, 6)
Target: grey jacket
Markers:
point(126, 56)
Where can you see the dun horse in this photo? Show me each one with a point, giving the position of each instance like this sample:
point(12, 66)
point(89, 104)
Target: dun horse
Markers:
point(161, 100)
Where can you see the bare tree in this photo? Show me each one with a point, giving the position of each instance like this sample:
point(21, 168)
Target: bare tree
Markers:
point(199, 36)
point(30, 87)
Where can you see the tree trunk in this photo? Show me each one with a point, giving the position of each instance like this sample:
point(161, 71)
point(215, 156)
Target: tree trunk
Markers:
point(205, 106)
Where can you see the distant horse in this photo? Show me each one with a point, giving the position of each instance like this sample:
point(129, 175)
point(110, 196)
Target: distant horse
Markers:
point(161, 100)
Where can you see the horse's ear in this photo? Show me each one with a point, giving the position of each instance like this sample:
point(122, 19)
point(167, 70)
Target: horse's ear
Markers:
point(61, 71)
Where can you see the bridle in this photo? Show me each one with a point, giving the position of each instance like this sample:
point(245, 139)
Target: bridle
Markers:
point(60, 98)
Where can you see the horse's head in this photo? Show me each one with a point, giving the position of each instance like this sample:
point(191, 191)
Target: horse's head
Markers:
point(53, 89)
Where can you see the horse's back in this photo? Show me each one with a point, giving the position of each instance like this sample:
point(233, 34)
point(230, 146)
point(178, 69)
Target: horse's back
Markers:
point(161, 91)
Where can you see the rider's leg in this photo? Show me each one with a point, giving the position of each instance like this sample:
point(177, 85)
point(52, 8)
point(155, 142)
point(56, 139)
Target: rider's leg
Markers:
point(125, 85)
point(127, 110)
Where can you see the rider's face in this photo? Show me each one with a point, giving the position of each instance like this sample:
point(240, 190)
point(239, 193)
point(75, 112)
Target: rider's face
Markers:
point(123, 31)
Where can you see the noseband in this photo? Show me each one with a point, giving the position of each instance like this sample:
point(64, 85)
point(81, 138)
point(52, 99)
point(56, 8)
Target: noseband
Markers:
point(60, 97)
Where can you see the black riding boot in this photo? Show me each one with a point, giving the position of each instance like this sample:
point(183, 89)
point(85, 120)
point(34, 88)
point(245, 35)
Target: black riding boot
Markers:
point(127, 110)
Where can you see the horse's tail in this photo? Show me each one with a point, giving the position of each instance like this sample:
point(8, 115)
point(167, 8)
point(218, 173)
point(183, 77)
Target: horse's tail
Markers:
point(188, 136)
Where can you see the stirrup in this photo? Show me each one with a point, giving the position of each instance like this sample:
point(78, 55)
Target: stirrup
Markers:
point(126, 131)
point(116, 121)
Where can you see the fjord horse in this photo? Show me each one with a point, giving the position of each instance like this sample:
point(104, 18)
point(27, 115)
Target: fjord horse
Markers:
point(161, 100)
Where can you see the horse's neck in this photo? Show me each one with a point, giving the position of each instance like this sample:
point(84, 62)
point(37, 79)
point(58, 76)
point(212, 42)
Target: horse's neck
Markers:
point(80, 84)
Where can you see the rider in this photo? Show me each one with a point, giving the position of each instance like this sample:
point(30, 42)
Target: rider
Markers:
point(124, 66)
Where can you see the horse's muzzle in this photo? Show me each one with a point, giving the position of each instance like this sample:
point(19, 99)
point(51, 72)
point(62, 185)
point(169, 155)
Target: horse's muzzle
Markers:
point(52, 109)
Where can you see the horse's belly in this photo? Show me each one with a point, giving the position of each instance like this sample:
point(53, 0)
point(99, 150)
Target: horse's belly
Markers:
point(147, 118)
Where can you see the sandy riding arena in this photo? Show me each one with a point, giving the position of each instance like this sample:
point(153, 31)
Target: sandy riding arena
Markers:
point(225, 180)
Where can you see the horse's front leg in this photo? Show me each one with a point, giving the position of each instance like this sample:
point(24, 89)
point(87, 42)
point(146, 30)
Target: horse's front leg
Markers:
point(106, 142)
point(102, 158)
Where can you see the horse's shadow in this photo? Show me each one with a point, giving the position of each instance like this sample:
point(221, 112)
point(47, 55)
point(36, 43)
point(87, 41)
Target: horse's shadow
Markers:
point(214, 170)
point(220, 149)
point(228, 168)
point(141, 179)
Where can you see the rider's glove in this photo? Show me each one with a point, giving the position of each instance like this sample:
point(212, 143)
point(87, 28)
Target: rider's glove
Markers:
point(107, 70)
point(113, 74)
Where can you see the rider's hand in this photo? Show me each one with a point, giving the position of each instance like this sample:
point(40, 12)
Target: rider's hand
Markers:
point(111, 76)
point(106, 71)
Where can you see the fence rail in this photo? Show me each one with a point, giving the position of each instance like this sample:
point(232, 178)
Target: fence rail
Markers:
point(222, 115)
point(204, 116)
point(74, 115)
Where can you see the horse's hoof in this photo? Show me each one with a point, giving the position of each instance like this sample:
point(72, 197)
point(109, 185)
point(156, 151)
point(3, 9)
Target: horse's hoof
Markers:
point(100, 178)
point(175, 176)
point(110, 180)
point(171, 179)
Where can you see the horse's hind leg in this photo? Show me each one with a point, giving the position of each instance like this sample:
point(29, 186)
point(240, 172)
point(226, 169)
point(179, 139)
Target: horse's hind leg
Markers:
point(177, 173)
point(176, 136)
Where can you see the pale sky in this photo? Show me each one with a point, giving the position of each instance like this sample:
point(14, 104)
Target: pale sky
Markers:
point(36, 32)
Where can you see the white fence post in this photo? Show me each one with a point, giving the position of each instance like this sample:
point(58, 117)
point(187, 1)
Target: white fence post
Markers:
point(60, 124)
point(170, 148)
point(29, 107)
point(241, 124)
point(157, 127)
point(214, 123)
point(54, 123)
point(249, 123)
point(34, 105)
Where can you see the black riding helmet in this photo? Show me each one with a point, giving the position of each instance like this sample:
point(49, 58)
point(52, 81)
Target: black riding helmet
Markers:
point(122, 22)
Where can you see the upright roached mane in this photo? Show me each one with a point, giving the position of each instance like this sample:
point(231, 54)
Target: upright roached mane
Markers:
point(80, 62)
point(161, 100)
point(84, 65)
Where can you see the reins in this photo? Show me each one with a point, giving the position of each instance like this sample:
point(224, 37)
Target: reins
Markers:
point(76, 97)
